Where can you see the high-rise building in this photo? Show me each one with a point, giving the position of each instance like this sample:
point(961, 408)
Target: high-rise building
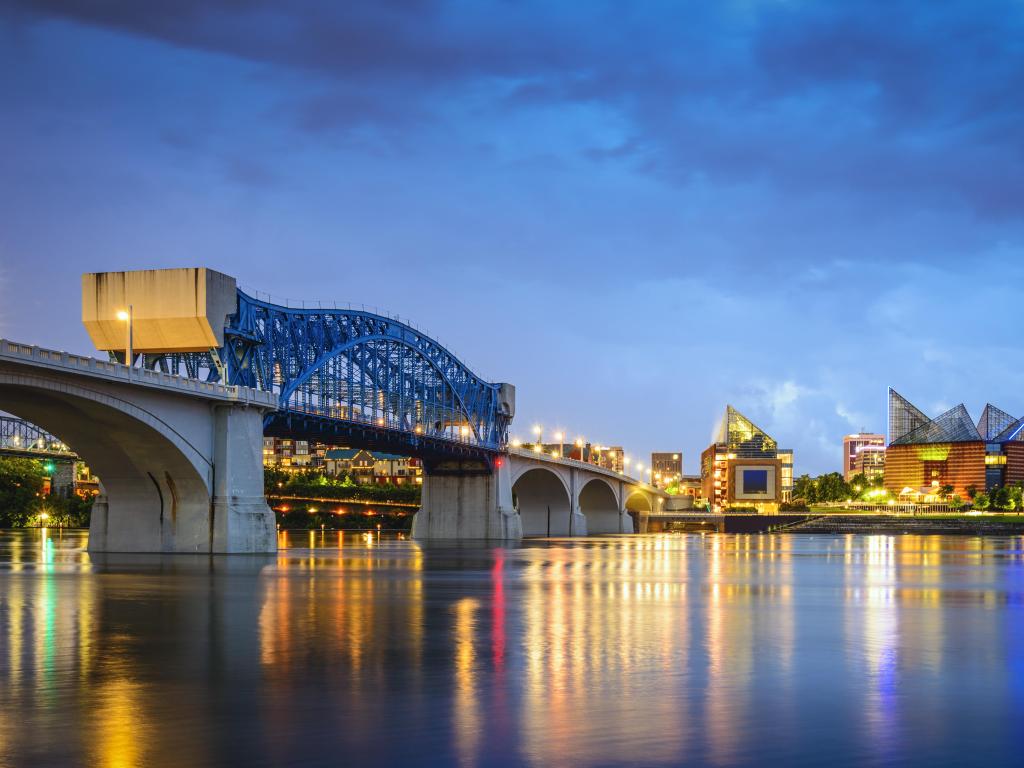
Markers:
point(852, 445)
point(742, 467)
point(666, 468)
point(951, 452)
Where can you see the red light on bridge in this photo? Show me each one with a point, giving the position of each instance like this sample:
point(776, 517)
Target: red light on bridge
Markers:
point(498, 462)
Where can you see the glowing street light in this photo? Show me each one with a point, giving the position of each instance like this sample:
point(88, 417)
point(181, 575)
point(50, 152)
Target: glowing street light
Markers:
point(538, 430)
point(559, 437)
point(127, 317)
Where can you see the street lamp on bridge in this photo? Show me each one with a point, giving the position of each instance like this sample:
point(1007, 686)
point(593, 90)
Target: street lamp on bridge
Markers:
point(126, 317)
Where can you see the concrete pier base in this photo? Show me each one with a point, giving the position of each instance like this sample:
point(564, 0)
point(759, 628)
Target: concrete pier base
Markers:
point(467, 500)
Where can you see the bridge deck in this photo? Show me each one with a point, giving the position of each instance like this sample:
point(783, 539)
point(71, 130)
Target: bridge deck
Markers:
point(65, 362)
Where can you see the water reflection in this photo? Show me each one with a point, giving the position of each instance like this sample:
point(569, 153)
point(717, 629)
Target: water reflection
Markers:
point(653, 650)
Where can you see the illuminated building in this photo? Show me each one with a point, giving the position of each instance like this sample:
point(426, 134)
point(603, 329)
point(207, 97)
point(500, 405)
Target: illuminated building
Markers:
point(369, 467)
point(666, 468)
point(741, 469)
point(951, 451)
point(870, 462)
point(853, 446)
point(286, 454)
point(785, 474)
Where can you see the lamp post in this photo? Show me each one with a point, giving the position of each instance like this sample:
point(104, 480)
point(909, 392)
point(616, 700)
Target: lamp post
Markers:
point(560, 437)
point(126, 317)
point(538, 430)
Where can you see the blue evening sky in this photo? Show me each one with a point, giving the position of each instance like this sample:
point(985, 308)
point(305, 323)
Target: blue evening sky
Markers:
point(636, 212)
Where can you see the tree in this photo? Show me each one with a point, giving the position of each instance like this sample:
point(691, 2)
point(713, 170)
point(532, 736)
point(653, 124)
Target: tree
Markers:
point(21, 491)
point(946, 491)
point(981, 500)
point(832, 487)
point(956, 502)
point(972, 491)
point(1001, 498)
point(804, 488)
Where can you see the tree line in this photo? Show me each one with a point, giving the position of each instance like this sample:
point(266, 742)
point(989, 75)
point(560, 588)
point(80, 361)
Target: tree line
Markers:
point(24, 502)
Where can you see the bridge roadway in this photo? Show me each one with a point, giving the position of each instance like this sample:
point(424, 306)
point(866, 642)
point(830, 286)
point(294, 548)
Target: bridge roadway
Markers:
point(181, 464)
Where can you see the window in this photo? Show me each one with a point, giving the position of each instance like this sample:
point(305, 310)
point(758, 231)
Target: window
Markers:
point(755, 481)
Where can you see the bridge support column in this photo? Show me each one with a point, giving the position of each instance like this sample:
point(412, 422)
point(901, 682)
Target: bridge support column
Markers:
point(577, 520)
point(150, 504)
point(241, 519)
point(467, 500)
point(626, 524)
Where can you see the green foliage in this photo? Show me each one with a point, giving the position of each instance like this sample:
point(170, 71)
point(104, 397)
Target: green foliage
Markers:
point(317, 485)
point(981, 501)
point(956, 502)
point(972, 491)
point(21, 491)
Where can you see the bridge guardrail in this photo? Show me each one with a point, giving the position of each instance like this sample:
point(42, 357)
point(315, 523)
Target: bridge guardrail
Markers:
point(112, 370)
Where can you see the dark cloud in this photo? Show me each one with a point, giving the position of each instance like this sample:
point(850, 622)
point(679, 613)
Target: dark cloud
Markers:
point(911, 102)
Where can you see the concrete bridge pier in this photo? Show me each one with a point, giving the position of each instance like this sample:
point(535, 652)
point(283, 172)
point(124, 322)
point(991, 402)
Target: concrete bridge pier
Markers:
point(171, 511)
point(467, 500)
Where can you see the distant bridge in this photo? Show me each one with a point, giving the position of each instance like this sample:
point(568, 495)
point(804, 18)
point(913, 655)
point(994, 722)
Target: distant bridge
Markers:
point(22, 438)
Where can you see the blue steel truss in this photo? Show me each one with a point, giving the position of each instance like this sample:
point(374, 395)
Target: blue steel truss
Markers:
point(355, 377)
point(18, 436)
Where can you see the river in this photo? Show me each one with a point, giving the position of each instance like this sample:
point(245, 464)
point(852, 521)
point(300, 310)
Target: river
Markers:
point(348, 649)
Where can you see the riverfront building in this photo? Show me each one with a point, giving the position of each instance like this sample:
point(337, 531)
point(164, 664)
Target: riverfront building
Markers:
point(854, 446)
point(928, 455)
point(666, 468)
point(742, 469)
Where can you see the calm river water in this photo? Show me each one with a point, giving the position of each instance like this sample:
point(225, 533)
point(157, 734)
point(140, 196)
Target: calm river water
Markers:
point(348, 650)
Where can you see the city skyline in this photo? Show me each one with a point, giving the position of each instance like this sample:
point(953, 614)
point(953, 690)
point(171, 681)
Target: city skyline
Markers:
point(635, 225)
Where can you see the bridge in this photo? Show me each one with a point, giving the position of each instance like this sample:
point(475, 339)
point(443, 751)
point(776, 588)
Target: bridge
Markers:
point(199, 370)
point(22, 439)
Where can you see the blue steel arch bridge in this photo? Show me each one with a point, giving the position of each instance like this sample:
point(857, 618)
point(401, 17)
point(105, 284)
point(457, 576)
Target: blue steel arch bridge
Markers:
point(22, 438)
point(355, 377)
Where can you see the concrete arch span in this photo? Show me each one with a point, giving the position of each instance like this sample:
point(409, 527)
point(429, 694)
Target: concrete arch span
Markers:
point(542, 498)
point(600, 506)
point(160, 491)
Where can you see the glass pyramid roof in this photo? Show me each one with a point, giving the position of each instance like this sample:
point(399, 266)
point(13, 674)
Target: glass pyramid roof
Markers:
point(904, 416)
point(954, 426)
point(744, 438)
point(993, 422)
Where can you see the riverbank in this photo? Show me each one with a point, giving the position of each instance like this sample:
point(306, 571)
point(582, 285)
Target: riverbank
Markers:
point(962, 525)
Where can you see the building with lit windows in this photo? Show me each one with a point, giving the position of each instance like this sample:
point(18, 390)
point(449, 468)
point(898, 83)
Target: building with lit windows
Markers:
point(666, 468)
point(369, 467)
point(742, 469)
point(951, 451)
point(854, 445)
point(870, 462)
point(785, 474)
point(286, 454)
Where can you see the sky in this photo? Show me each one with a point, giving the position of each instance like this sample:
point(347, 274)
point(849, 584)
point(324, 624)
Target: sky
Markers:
point(635, 212)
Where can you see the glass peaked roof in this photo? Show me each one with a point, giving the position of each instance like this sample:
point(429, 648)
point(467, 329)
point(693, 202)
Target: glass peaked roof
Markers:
point(954, 426)
point(744, 438)
point(994, 422)
point(904, 416)
point(1013, 432)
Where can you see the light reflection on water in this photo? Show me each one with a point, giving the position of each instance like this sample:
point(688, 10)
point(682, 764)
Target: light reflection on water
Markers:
point(354, 648)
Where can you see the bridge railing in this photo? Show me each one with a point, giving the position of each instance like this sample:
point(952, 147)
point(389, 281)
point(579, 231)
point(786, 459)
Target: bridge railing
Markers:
point(540, 455)
point(113, 370)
